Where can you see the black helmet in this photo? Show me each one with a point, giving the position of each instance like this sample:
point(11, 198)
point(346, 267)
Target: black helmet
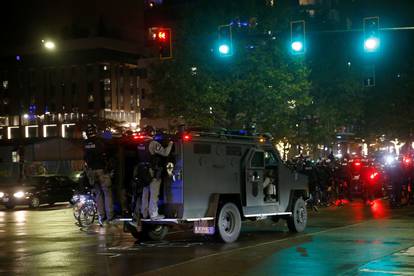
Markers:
point(91, 130)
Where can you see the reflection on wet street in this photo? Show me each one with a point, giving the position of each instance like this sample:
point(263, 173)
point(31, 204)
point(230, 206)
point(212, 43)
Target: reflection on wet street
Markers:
point(352, 239)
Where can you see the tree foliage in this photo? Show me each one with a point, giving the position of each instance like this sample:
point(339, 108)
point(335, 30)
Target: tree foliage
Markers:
point(260, 85)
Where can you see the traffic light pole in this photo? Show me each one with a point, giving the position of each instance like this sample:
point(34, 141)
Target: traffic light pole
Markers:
point(361, 30)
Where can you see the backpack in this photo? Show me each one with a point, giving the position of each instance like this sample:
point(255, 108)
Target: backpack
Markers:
point(142, 176)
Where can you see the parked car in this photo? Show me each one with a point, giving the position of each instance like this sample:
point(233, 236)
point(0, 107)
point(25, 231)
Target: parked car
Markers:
point(37, 190)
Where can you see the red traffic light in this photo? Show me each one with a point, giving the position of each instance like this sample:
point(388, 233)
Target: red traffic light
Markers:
point(162, 36)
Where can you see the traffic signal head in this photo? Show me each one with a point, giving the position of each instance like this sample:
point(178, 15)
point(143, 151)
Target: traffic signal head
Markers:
point(371, 34)
point(225, 41)
point(297, 37)
point(163, 41)
point(224, 49)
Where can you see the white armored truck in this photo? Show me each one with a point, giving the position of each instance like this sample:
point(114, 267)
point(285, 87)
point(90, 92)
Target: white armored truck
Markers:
point(216, 180)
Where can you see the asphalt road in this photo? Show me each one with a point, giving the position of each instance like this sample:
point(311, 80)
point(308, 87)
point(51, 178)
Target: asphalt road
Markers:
point(351, 240)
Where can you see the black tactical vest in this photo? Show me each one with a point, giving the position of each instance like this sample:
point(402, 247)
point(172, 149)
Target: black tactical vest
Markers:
point(144, 155)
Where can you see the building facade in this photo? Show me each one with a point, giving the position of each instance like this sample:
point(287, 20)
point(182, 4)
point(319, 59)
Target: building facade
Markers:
point(45, 94)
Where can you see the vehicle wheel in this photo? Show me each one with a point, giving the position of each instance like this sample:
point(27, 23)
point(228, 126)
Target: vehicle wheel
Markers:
point(297, 221)
point(229, 223)
point(154, 232)
point(34, 202)
point(133, 230)
point(10, 206)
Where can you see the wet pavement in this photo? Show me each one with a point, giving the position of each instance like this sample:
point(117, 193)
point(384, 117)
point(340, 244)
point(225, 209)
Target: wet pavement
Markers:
point(351, 240)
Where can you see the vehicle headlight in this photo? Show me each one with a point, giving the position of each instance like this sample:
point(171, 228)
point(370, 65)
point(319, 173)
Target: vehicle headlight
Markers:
point(1, 194)
point(18, 194)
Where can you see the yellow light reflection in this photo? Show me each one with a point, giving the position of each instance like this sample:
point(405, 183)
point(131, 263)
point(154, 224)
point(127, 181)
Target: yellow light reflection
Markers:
point(20, 216)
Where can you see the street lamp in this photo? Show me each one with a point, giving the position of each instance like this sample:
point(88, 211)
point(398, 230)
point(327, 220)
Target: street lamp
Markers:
point(49, 45)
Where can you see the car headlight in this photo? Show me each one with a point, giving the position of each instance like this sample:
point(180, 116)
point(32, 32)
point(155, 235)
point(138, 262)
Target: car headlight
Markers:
point(1, 194)
point(18, 194)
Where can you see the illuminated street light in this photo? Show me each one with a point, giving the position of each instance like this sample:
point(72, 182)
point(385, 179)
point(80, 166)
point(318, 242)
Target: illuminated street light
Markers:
point(49, 45)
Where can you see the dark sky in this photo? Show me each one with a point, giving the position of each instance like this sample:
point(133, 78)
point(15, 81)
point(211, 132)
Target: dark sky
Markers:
point(29, 21)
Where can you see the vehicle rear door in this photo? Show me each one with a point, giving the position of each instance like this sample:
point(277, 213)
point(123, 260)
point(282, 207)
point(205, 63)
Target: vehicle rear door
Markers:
point(254, 176)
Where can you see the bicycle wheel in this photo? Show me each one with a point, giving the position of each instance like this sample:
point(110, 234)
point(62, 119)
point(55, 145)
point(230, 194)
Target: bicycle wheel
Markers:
point(87, 214)
point(76, 210)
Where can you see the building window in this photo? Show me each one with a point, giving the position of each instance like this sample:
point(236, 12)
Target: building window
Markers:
point(68, 130)
point(91, 101)
point(50, 130)
point(31, 131)
point(132, 100)
point(90, 87)
point(5, 84)
point(106, 87)
point(13, 132)
point(121, 99)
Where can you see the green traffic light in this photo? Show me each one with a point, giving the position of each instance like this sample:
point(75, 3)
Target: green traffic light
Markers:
point(297, 46)
point(371, 44)
point(224, 49)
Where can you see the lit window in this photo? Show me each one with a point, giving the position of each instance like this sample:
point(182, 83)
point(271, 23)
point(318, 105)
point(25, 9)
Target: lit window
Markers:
point(49, 130)
point(5, 84)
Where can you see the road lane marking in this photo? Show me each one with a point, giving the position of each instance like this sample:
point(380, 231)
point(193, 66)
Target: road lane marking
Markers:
point(385, 272)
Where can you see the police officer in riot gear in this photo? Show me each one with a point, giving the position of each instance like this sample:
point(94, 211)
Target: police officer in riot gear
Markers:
point(150, 154)
point(96, 160)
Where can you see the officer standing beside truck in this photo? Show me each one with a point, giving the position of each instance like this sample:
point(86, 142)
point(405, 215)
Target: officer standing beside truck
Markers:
point(150, 154)
point(96, 160)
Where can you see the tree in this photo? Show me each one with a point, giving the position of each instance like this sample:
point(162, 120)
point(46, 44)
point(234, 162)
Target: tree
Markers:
point(260, 85)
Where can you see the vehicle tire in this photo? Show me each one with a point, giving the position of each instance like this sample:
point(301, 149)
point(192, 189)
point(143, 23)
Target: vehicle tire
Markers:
point(154, 232)
point(34, 202)
point(10, 206)
point(133, 230)
point(297, 221)
point(228, 223)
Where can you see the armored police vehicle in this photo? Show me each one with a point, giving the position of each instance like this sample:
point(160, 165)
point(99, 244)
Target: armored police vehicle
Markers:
point(216, 180)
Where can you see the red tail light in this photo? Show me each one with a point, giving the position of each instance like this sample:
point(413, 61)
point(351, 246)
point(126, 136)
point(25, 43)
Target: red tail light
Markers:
point(407, 160)
point(138, 137)
point(187, 137)
point(373, 175)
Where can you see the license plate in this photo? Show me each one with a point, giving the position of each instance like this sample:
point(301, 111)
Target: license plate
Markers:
point(209, 230)
point(356, 177)
point(204, 227)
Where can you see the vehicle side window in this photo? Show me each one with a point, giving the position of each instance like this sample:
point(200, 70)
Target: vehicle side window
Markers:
point(258, 160)
point(202, 148)
point(271, 159)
